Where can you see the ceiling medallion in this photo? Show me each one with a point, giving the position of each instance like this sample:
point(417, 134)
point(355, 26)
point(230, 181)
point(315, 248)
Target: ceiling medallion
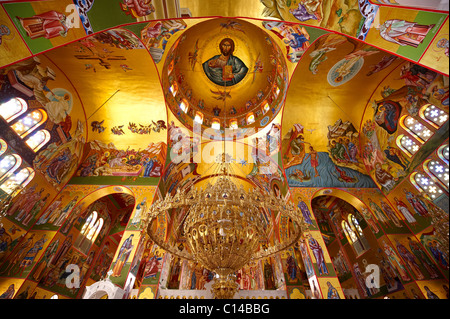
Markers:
point(223, 226)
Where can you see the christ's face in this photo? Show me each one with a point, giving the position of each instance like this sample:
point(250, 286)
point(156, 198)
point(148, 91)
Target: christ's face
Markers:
point(225, 48)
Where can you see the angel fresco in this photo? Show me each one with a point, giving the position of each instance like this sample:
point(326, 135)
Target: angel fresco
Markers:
point(225, 69)
point(348, 67)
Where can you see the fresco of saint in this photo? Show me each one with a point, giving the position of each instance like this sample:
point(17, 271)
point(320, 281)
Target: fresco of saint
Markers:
point(404, 32)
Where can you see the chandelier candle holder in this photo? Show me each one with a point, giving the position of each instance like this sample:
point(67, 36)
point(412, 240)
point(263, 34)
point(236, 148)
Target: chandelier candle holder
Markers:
point(223, 227)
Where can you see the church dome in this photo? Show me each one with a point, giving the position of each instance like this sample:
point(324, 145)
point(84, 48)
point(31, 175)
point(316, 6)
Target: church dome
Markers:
point(225, 75)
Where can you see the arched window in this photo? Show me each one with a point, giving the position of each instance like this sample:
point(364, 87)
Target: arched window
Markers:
point(433, 115)
point(13, 108)
point(437, 170)
point(20, 179)
point(198, 118)
point(349, 232)
point(357, 228)
point(443, 153)
point(3, 146)
point(420, 128)
point(407, 145)
point(184, 105)
point(265, 107)
point(8, 165)
point(38, 139)
point(174, 88)
point(215, 124)
point(234, 124)
point(355, 235)
point(250, 118)
point(89, 232)
point(425, 184)
point(30, 122)
point(276, 91)
point(417, 129)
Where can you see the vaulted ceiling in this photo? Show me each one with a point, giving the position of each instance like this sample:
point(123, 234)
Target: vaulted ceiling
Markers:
point(121, 79)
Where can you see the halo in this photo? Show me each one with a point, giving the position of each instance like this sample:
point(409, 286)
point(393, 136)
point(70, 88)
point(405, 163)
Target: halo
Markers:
point(10, 35)
point(225, 36)
point(436, 41)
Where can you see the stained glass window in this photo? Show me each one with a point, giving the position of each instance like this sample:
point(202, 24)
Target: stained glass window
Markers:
point(38, 139)
point(184, 105)
point(439, 171)
point(418, 129)
point(8, 165)
point(215, 124)
point(426, 184)
point(351, 235)
point(173, 88)
point(277, 91)
point(89, 232)
point(31, 121)
point(234, 124)
point(355, 223)
point(354, 234)
point(434, 115)
point(13, 108)
point(407, 145)
point(198, 118)
point(266, 107)
point(250, 118)
point(443, 153)
point(3, 146)
point(21, 178)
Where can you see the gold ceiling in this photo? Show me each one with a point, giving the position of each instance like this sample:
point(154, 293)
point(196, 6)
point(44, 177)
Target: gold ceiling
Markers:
point(123, 89)
point(127, 91)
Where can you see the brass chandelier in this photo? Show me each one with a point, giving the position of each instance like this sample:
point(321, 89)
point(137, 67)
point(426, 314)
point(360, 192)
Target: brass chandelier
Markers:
point(223, 227)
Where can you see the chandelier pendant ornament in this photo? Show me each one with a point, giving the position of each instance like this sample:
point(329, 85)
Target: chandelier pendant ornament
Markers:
point(222, 227)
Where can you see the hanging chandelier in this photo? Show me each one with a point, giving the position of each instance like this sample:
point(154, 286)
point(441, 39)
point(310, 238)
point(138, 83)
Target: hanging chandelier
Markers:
point(222, 227)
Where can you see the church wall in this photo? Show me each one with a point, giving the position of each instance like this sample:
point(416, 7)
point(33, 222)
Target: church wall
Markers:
point(93, 265)
point(397, 252)
point(53, 164)
point(133, 246)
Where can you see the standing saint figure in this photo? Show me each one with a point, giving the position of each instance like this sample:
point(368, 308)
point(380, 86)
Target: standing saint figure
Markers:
point(318, 254)
point(225, 69)
point(124, 254)
point(401, 206)
point(404, 32)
